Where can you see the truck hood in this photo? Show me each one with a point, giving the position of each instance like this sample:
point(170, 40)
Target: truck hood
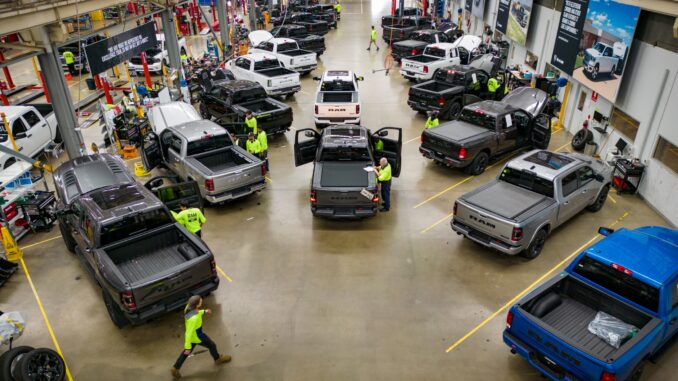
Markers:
point(408, 44)
point(593, 53)
point(259, 36)
point(458, 131)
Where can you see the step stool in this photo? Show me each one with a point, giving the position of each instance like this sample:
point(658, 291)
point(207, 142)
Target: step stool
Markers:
point(129, 152)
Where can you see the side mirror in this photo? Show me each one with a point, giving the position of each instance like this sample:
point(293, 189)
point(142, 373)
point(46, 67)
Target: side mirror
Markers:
point(316, 78)
point(599, 178)
point(64, 212)
point(605, 231)
point(309, 134)
point(383, 133)
point(20, 135)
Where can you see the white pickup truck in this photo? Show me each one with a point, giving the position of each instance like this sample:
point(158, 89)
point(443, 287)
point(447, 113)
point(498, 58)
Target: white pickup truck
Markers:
point(437, 56)
point(286, 50)
point(33, 127)
point(337, 99)
point(267, 71)
point(604, 59)
point(171, 114)
point(156, 57)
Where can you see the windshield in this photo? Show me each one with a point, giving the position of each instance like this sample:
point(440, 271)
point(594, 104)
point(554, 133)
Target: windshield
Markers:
point(287, 46)
point(134, 224)
point(249, 95)
point(338, 86)
point(452, 77)
point(478, 118)
point(527, 180)
point(619, 282)
point(436, 52)
point(296, 32)
point(208, 143)
point(345, 154)
point(425, 37)
point(266, 64)
point(599, 47)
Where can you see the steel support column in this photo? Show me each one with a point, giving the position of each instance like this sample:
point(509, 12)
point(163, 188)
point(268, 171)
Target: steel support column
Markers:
point(172, 43)
point(401, 10)
point(223, 25)
point(61, 99)
point(252, 15)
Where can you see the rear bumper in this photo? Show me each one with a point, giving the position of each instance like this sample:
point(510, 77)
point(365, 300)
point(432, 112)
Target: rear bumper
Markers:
point(344, 212)
point(233, 194)
point(278, 126)
point(528, 353)
point(416, 76)
point(284, 90)
point(484, 239)
point(304, 69)
point(327, 121)
point(441, 158)
point(418, 106)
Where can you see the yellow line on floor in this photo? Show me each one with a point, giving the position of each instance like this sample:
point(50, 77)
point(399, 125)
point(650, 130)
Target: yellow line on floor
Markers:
point(526, 290)
point(224, 274)
point(443, 191)
point(44, 316)
point(268, 178)
point(413, 139)
point(437, 222)
point(40, 242)
point(611, 198)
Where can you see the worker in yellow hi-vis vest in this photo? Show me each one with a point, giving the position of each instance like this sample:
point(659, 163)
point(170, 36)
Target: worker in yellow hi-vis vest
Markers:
point(373, 39)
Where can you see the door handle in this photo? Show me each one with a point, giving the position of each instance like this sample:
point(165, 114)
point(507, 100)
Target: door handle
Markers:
point(566, 202)
point(28, 136)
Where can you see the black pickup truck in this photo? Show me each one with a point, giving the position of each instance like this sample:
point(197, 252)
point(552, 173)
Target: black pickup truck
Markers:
point(417, 41)
point(313, 26)
point(228, 101)
point(490, 128)
point(395, 29)
point(298, 33)
point(145, 262)
point(320, 14)
point(340, 187)
point(456, 86)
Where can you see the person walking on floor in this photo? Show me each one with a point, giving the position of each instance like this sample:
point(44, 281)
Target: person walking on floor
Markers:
point(191, 218)
point(194, 335)
point(263, 145)
point(373, 39)
point(383, 172)
point(69, 58)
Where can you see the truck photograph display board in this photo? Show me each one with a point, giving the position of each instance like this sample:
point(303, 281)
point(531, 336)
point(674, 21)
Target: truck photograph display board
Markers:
point(107, 53)
point(593, 43)
point(502, 15)
point(518, 20)
point(468, 6)
point(478, 9)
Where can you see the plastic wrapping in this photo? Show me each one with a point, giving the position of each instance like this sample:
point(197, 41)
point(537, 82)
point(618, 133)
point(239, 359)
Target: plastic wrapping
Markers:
point(11, 326)
point(612, 330)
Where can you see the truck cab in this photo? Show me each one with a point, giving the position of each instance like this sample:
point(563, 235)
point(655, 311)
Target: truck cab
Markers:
point(286, 50)
point(298, 33)
point(437, 56)
point(343, 184)
point(33, 128)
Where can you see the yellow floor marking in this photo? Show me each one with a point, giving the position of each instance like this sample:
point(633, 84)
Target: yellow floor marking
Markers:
point(40, 243)
point(436, 223)
point(224, 274)
point(413, 139)
point(611, 198)
point(268, 178)
point(526, 290)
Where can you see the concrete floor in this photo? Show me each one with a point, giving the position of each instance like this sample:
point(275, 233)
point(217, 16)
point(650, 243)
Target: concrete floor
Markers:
point(309, 299)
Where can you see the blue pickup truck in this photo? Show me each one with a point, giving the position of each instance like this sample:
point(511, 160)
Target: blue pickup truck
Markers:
point(631, 275)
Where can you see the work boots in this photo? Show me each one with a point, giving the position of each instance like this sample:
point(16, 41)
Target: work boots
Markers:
point(175, 373)
point(222, 359)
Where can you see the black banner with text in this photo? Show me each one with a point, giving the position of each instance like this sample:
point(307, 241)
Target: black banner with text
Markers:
point(107, 53)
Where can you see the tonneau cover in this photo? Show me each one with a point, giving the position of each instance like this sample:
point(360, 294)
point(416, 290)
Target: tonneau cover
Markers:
point(343, 174)
point(509, 201)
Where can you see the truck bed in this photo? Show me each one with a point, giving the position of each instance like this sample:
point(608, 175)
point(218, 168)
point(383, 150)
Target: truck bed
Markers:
point(155, 262)
point(263, 105)
point(344, 174)
point(221, 160)
point(434, 86)
point(275, 72)
point(337, 97)
point(424, 59)
point(508, 201)
point(295, 53)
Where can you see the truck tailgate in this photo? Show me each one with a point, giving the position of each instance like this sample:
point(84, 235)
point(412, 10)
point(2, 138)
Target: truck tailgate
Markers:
point(483, 221)
point(423, 96)
point(239, 178)
point(412, 66)
point(288, 80)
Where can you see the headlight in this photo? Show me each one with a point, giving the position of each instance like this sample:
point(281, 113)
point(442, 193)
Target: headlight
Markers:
point(269, 83)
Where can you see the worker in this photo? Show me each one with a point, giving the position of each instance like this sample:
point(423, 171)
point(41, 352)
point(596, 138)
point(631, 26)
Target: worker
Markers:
point(383, 172)
point(191, 218)
point(337, 6)
point(373, 39)
point(492, 87)
point(253, 145)
point(432, 120)
point(379, 145)
point(69, 57)
point(263, 145)
point(194, 335)
point(251, 123)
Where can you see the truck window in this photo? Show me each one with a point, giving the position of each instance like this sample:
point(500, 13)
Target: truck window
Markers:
point(527, 180)
point(266, 64)
point(31, 118)
point(436, 52)
point(296, 32)
point(344, 154)
point(607, 52)
point(599, 47)
point(478, 118)
point(569, 183)
point(247, 95)
point(208, 143)
point(409, 22)
point(452, 77)
point(18, 127)
point(584, 175)
point(618, 282)
point(134, 224)
point(287, 47)
point(424, 37)
point(337, 86)
point(175, 144)
point(243, 63)
point(265, 46)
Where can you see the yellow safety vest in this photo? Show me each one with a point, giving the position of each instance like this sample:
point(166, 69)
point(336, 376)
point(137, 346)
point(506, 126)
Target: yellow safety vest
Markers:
point(385, 174)
point(193, 321)
point(263, 140)
point(374, 35)
point(492, 85)
point(252, 124)
point(69, 57)
point(253, 146)
point(379, 145)
point(431, 123)
point(192, 219)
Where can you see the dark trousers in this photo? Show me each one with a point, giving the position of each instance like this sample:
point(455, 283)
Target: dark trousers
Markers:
point(386, 194)
point(199, 233)
point(206, 342)
point(71, 68)
point(264, 156)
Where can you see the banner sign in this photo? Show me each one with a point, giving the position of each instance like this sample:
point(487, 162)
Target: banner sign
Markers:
point(107, 53)
point(478, 8)
point(468, 6)
point(569, 33)
point(519, 20)
point(502, 15)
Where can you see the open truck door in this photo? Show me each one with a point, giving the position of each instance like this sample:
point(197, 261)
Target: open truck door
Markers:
point(541, 131)
point(306, 147)
point(151, 151)
point(173, 192)
point(392, 137)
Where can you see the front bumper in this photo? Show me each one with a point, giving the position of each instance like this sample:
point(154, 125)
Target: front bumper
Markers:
point(154, 67)
point(344, 212)
point(484, 239)
point(233, 194)
point(283, 90)
point(447, 160)
point(519, 347)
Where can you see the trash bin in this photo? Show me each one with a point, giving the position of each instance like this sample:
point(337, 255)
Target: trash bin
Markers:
point(90, 84)
point(590, 148)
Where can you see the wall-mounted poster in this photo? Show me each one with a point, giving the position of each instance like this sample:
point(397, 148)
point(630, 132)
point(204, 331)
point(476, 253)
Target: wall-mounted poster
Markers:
point(519, 20)
point(468, 6)
point(478, 9)
point(502, 15)
point(594, 48)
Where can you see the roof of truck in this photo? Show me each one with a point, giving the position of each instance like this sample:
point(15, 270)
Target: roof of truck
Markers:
point(12, 111)
point(344, 134)
point(199, 128)
point(88, 173)
point(649, 252)
point(528, 99)
point(546, 163)
point(338, 75)
point(118, 201)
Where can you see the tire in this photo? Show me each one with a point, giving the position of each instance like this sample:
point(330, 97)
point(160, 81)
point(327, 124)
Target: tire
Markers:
point(9, 361)
point(637, 372)
point(42, 364)
point(536, 245)
point(455, 109)
point(580, 139)
point(203, 112)
point(600, 200)
point(117, 317)
point(614, 70)
point(594, 73)
point(66, 236)
point(478, 165)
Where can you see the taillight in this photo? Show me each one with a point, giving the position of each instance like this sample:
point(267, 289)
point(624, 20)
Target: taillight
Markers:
point(622, 269)
point(425, 69)
point(414, 52)
point(454, 209)
point(409, 92)
point(462, 153)
point(127, 298)
point(517, 234)
point(313, 197)
point(606, 376)
point(375, 198)
point(213, 264)
point(209, 185)
point(316, 109)
point(421, 138)
point(509, 320)
point(357, 109)
point(441, 101)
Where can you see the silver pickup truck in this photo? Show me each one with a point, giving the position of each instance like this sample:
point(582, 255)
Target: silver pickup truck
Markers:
point(533, 195)
point(204, 152)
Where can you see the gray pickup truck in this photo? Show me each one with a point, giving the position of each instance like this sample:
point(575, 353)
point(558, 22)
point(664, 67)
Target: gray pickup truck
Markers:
point(204, 152)
point(340, 186)
point(144, 261)
point(534, 194)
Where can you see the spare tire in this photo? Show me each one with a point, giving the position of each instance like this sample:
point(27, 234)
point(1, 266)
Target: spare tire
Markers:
point(9, 362)
point(580, 139)
point(40, 364)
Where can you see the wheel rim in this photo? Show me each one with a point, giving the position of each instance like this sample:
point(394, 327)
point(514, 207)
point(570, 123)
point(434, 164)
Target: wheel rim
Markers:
point(482, 162)
point(454, 110)
point(538, 245)
point(45, 366)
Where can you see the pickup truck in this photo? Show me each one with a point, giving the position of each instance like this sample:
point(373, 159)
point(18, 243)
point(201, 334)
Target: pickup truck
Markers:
point(604, 59)
point(417, 41)
point(171, 114)
point(337, 99)
point(487, 129)
point(533, 195)
point(228, 102)
point(156, 57)
point(449, 90)
point(394, 29)
point(33, 127)
point(631, 275)
point(298, 33)
point(313, 26)
point(407, 11)
point(285, 50)
point(78, 49)
point(267, 71)
point(340, 186)
point(204, 152)
point(145, 262)
point(437, 56)
point(330, 17)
